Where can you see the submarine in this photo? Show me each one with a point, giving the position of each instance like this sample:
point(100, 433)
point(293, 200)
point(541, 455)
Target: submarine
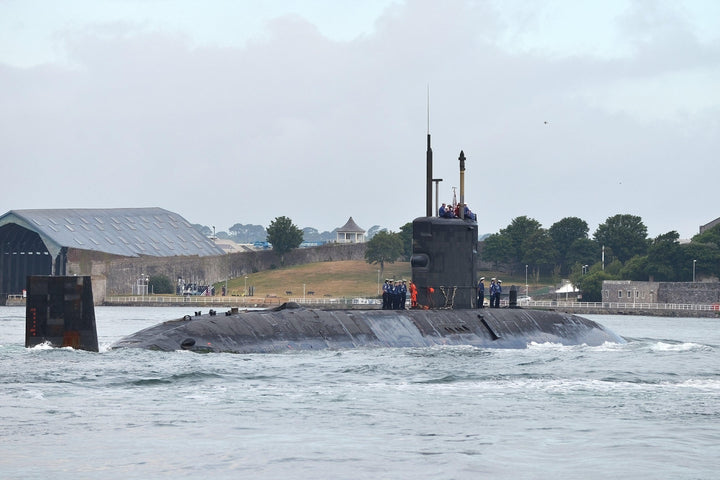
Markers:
point(443, 264)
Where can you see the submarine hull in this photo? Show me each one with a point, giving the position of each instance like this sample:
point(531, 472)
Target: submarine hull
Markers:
point(287, 329)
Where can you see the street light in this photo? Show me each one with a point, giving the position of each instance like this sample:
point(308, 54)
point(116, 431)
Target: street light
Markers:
point(378, 283)
point(245, 290)
point(526, 284)
point(694, 270)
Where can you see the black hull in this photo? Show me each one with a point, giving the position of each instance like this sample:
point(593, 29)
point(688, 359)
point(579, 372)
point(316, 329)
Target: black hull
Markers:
point(287, 329)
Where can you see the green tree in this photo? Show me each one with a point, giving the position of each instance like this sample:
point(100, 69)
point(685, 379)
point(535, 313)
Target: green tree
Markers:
point(614, 268)
point(564, 233)
point(590, 284)
point(583, 251)
point(160, 284)
point(711, 235)
point(625, 234)
point(517, 232)
point(496, 249)
point(707, 260)
point(406, 236)
point(383, 247)
point(284, 236)
point(247, 233)
point(538, 251)
point(664, 258)
point(203, 229)
point(635, 269)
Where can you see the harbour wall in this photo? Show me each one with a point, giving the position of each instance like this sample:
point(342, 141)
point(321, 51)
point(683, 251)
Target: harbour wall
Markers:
point(114, 275)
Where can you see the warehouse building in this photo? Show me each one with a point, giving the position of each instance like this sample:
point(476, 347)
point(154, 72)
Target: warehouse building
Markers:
point(70, 241)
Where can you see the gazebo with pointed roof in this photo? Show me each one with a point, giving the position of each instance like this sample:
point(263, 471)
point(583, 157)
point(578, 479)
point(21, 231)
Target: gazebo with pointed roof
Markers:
point(350, 233)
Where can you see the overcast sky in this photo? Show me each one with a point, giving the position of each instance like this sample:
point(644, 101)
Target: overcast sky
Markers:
point(242, 111)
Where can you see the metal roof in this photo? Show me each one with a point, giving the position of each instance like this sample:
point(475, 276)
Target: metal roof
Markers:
point(129, 232)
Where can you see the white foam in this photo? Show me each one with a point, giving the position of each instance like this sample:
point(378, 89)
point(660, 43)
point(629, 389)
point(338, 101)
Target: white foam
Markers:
point(677, 347)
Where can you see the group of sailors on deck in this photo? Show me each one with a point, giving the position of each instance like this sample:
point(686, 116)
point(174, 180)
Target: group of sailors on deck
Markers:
point(455, 211)
point(394, 294)
point(495, 292)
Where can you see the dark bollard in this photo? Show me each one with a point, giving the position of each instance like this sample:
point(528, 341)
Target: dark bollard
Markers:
point(512, 302)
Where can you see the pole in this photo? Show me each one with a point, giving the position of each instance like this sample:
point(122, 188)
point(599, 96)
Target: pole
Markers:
point(694, 270)
point(428, 187)
point(437, 193)
point(429, 163)
point(527, 295)
point(462, 184)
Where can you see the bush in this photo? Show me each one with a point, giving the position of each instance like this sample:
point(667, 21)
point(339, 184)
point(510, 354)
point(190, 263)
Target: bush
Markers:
point(160, 284)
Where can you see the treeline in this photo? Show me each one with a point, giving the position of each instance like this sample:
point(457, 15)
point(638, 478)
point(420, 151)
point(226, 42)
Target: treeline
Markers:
point(565, 250)
point(249, 233)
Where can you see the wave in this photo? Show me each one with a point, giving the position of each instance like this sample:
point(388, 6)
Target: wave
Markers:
point(664, 346)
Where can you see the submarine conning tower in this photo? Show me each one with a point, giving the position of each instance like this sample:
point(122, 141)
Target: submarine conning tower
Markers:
point(443, 262)
point(444, 252)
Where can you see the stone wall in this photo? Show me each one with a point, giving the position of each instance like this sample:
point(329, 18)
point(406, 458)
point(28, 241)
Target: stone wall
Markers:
point(113, 275)
point(689, 292)
point(694, 293)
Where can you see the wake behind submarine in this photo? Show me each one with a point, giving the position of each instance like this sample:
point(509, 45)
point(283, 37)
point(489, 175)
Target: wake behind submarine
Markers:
point(443, 270)
point(59, 309)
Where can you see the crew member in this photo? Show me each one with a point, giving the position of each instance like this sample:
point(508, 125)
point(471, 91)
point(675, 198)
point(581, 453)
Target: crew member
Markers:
point(403, 295)
point(481, 293)
point(386, 294)
point(498, 292)
point(492, 292)
point(413, 295)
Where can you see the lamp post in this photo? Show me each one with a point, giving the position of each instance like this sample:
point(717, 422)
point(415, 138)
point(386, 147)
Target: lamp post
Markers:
point(694, 270)
point(527, 295)
point(245, 290)
point(378, 283)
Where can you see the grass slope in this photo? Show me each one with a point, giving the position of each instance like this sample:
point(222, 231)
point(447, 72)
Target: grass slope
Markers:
point(350, 278)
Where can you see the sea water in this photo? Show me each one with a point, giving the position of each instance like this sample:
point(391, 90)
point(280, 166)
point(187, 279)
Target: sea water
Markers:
point(647, 409)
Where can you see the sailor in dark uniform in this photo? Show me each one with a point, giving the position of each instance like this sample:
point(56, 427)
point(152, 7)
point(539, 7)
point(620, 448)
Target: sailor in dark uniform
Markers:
point(498, 292)
point(386, 295)
point(492, 292)
point(481, 293)
point(403, 295)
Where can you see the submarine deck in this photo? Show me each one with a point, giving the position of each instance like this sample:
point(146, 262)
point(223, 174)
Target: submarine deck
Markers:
point(296, 328)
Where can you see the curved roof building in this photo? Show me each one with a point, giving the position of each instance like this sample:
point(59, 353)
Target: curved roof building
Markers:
point(36, 242)
point(350, 233)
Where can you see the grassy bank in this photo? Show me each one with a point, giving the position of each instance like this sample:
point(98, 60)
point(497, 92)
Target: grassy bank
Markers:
point(351, 278)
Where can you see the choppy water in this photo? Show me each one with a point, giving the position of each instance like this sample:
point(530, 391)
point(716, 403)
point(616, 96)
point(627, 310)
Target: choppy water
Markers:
point(647, 409)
